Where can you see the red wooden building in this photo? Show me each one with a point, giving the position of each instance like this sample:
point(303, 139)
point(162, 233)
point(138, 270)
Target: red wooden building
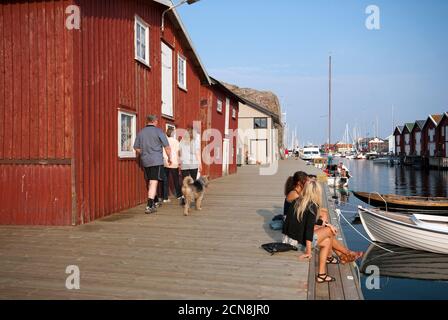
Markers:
point(443, 135)
point(429, 135)
point(416, 138)
point(399, 141)
point(73, 99)
point(224, 118)
point(406, 134)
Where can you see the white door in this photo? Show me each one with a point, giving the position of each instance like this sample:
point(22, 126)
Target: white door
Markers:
point(259, 151)
point(418, 144)
point(225, 157)
point(167, 80)
point(227, 113)
point(432, 149)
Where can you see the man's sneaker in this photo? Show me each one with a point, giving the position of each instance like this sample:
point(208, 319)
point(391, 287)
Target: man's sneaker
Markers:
point(150, 210)
point(158, 204)
point(166, 201)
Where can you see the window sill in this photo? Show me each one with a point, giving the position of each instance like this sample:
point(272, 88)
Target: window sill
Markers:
point(143, 62)
point(182, 88)
point(127, 158)
point(168, 117)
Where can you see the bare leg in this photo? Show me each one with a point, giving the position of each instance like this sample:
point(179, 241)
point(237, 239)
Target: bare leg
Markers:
point(325, 248)
point(324, 236)
point(152, 190)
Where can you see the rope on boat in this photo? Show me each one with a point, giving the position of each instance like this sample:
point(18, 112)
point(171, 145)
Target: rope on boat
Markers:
point(347, 211)
point(339, 213)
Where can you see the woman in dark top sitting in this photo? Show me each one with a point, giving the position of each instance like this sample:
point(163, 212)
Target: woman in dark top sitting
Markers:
point(293, 190)
point(302, 225)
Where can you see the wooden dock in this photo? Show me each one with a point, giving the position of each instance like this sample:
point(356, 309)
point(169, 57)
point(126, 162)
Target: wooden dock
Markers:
point(212, 254)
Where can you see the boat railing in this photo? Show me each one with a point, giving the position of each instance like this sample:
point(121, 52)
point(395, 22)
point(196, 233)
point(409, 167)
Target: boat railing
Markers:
point(377, 193)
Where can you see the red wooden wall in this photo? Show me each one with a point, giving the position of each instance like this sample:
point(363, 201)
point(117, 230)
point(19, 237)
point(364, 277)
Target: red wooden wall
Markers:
point(111, 79)
point(36, 70)
point(218, 122)
point(60, 93)
point(443, 137)
point(429, 125)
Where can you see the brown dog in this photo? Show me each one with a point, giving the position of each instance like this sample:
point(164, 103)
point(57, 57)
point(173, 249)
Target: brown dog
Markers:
point(194, 190)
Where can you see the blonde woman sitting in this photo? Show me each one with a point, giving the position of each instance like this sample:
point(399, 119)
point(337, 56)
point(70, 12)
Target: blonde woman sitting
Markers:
point(302, 225)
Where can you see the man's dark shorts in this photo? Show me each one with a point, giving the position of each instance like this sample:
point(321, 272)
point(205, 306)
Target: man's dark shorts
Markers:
point(154, 173)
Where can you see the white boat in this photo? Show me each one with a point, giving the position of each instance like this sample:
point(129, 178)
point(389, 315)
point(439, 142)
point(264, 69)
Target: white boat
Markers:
point(417, 231)
point(351, 157)
point(361, 157)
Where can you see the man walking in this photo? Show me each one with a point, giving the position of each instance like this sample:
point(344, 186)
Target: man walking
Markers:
point(149, 145)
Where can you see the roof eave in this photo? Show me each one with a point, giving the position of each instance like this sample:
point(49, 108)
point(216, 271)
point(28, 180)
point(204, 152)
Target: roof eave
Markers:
point(178, 20)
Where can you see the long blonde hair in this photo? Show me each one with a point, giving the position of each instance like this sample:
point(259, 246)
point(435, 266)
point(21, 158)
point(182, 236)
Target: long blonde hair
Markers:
point(311, 194)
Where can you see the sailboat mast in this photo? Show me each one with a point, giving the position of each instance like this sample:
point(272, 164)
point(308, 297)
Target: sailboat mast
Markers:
point(329, 106)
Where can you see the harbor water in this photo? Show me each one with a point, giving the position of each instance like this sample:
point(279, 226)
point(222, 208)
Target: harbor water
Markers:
point(405, 273)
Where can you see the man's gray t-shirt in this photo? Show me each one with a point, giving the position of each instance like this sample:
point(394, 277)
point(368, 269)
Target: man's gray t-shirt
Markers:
point(151, 141)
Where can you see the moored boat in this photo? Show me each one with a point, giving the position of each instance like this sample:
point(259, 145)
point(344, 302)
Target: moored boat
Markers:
point(419, 232)
point(435, 205)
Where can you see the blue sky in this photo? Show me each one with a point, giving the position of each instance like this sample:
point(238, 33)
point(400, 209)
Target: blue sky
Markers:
point(283, 46)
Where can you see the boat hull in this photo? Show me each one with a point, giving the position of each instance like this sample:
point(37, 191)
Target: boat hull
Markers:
point(384, 229)
point(415, 206)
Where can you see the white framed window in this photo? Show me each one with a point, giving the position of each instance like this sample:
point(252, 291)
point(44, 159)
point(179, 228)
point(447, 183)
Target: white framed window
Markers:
point(181, 72)
point(141, 43)
point(127, 133)
point(233, 113)
point(219, 106)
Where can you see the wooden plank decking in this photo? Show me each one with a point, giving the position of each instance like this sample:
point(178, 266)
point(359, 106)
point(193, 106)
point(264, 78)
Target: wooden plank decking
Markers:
point(213, 254)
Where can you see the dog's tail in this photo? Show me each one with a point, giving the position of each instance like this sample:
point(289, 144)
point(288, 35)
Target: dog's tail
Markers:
point(187, 181)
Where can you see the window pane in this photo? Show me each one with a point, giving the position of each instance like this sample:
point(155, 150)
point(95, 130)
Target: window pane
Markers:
point(143, 51)
point(126, 133)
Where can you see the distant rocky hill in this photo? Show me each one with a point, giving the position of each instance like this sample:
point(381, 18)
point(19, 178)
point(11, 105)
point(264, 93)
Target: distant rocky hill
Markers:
point(266, 99)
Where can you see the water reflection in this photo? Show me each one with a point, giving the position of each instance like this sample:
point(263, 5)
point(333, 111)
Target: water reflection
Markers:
point(407, 181)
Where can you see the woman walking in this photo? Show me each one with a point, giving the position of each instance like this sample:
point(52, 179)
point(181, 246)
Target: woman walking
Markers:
point(173, 168)
point(190, 155)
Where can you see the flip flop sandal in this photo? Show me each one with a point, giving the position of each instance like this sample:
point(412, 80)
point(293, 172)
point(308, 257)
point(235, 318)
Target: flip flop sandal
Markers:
point(324, 278)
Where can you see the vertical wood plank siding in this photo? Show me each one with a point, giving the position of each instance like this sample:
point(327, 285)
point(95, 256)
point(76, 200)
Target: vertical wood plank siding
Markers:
point(111, 79)
point(36, 68)
point(60, 93)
